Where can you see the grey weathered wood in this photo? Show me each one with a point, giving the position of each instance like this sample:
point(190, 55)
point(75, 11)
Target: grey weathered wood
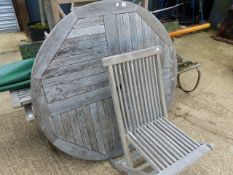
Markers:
point(154, 93)
point(59, 127)
point(132, 91)
point(84, 152)
point(68, 76)
point(145, 104)
point(140, 91)
point(128, 92)
point(86, 31)
point(80, 100)
point(112, 128)
point(55, 39)
point(75, 87)
point(98, 129)
point(86, 22)
point(21, 97)
point(139, 32)
point(105, 7)
point(151, 86)
point(145, 32)
point(147, 89)
point(105, 126)
point(124, 32)
point(83, 128)
point(49, 14)
point(125, 57)
point(83, 40)
point(15, 99)
point(155, 24)
point(41, 110)
point(120, 85)
point(66, 123)
point(54, 72)
point(119, 119)
point(48, 83)
point(173, 75)
point(78, 58)
point(112, 34)
point(133, 31)
point(146, 136)
point(90, 128)
point(76, 128)
point(81, 50)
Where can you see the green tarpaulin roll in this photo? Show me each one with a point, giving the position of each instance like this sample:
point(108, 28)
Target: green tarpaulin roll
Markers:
point(16, 75)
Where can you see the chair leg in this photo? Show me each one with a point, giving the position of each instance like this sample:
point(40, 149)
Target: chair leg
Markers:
point(128, 155)
point(120, 164)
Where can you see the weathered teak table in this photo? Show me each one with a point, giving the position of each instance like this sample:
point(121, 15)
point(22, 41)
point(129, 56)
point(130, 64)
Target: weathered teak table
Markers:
point(70, 91)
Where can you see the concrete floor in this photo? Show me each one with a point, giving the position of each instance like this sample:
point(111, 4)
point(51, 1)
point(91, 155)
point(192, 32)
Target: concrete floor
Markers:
point(205, 114)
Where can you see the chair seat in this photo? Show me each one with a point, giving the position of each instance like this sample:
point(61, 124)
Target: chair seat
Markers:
point(165, 147)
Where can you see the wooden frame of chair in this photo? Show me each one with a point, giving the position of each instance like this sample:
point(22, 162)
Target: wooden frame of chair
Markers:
point(139, 103)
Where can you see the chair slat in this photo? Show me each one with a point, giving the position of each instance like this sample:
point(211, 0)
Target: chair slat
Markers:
point(150, 79)
point(156, 153)
point(131, 114)
point(173, 137)
point(177, 136)
point(135, 87)
point(125, 103)
point(157, 165)
point(148, 98)
point(167, 156)
point(132, 92)
point(140, 92)
point(161, 94)
point(163, 137)
point(171, 154)
point(154, 90)
point(188, 138)
point(126, 123)
point(143, 92)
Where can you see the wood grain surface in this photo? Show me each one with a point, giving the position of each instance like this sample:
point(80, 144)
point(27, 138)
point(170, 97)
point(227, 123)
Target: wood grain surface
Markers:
point(70, 90)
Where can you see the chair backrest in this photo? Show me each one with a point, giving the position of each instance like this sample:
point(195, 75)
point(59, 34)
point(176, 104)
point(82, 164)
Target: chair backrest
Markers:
point(137, 90)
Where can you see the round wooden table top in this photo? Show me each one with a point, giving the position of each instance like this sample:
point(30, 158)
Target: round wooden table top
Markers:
point(70, 91)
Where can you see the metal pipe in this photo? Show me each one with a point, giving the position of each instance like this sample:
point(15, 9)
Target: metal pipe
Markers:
point(189, 30)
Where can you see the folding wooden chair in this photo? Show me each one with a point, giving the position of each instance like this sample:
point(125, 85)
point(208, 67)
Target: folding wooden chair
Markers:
point(139, 103)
